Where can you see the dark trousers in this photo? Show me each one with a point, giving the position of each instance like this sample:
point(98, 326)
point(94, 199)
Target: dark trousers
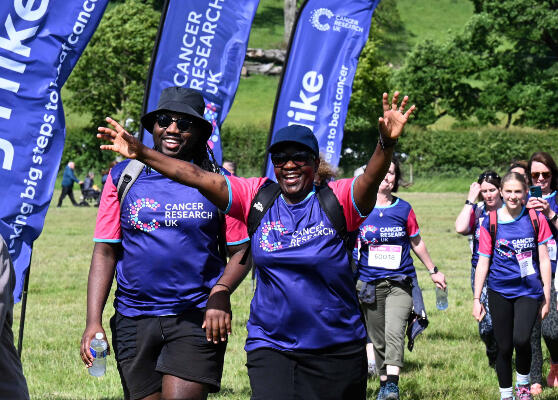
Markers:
point(295, 375)
point(67, 190)
point(513, 321)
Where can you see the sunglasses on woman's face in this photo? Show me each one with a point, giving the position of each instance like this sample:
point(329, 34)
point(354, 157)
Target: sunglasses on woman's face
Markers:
point(164, 121)
point(299, 158)
point(545, 175)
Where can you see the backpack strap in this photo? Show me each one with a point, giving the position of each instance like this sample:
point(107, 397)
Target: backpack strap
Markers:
point(127, 179)
point(334, 211)
point(493, 226)
point(262, 201)
point(534, 222)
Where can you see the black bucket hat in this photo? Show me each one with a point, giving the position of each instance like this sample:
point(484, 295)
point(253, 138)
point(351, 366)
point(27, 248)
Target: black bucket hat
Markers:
point(180, 100)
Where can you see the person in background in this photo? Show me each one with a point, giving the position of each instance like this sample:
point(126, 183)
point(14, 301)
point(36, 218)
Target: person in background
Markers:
point(68, 180)
point(305, 333)
point(483, 197)
point(13, 385)
point(542, 171)
point(385, 277)
point(519, 166)
point(515, 260)
point(230, 166)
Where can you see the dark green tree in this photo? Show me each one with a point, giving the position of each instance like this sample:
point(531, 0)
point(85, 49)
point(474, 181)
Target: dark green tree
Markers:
point(110, 76)
point(505, 61)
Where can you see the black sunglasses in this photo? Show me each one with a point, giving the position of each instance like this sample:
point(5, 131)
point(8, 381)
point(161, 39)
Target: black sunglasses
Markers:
point(299, 158)
point(183, 124)
point(490, 175)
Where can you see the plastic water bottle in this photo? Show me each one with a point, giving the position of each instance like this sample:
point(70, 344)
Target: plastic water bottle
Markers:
point(99, 351)
point(441, 298)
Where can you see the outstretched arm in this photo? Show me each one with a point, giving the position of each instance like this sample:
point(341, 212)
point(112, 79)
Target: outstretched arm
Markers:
point(211, 185)
point(390, 126)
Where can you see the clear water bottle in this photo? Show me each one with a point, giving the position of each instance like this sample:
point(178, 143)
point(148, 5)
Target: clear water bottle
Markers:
point(441, 298)
point(99, 351)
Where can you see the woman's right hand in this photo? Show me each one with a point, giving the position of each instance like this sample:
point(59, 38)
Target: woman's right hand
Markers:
point(544, 310)
point(122, 142)
point(478, 310)
point(87, 337)
point(474, 191)
point(218, 316)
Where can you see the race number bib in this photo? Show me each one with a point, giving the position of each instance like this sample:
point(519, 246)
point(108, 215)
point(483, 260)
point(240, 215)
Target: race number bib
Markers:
point(551, 244)
point(385, 256)
point(526, 263)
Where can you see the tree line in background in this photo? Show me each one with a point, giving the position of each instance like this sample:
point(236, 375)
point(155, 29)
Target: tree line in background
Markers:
point(500, 69)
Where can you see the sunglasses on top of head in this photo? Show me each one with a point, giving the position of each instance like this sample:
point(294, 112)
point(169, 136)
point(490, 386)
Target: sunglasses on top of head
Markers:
point(490, 175)
point(299, 158)
point(545, 175)
point(183, 124)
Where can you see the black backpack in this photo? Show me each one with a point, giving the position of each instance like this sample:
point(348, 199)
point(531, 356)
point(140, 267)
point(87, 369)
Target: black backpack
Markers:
point(268, 193)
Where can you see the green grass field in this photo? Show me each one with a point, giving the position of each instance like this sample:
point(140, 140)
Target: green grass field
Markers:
point(448, 360)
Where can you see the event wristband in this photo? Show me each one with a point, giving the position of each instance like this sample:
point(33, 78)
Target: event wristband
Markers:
point(386, 143)
point(225, 286)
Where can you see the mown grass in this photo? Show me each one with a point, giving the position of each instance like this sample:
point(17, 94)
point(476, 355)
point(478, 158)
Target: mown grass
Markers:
point(448, 360)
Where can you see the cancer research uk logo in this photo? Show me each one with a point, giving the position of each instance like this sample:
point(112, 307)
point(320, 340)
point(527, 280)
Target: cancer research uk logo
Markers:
point(134, 210)
point(321, 19)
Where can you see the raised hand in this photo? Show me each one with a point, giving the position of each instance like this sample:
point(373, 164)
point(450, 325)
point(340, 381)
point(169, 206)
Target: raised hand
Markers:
point(474, 191)
point(392, 123)
point(122, 142)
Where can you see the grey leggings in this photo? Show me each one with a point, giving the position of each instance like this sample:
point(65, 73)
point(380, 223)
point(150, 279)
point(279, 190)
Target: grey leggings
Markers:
point(549, 330)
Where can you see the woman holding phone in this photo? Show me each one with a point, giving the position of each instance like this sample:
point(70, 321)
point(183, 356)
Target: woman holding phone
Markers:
point(543, 175)
point(484, 196)
point(515, 260)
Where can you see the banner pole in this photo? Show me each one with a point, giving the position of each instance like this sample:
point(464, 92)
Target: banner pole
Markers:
point(152, 64)
point(270, 135)
point(23, 308)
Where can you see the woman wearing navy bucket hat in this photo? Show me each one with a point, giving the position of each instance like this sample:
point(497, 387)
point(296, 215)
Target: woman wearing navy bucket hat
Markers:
point(305, 333)
point(161, 238)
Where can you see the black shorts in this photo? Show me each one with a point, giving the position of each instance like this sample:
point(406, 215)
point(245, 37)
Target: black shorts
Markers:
point(146, 348)
point(332, 374)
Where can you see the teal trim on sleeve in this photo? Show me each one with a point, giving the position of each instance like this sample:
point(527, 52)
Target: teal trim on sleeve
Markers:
point(353, 198)
point(107, 240)
point(546, 240)
point(230, 195)
point(484, 255)
point(238, 242)
point(415, 235)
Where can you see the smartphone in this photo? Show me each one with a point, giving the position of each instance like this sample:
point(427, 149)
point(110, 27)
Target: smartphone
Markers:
point(535, 191)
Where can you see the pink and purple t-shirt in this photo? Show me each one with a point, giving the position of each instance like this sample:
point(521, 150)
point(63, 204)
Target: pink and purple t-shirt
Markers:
point(169, 259)
point(514, 269)
point(305, 297)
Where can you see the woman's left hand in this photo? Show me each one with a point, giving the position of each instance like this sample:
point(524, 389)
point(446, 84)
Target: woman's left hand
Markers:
point(439, 279)
point(392, 123)
point(539, 204)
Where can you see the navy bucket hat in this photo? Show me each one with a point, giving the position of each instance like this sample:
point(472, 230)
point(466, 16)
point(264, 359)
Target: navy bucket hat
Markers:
point(181, 100)
point(295, 134)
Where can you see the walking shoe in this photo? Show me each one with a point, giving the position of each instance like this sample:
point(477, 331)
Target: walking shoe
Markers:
point(391, 392)
point(381, 394)
point(523, 392)
point(536, 389)
point(552, 379)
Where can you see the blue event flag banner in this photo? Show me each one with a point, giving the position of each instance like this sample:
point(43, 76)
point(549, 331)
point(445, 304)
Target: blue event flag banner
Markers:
point(40, 43)
point(201, 45)
point(316, 85)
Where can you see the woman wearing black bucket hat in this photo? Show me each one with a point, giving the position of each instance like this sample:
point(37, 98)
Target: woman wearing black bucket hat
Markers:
point(305, 333)
point(161, 238)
